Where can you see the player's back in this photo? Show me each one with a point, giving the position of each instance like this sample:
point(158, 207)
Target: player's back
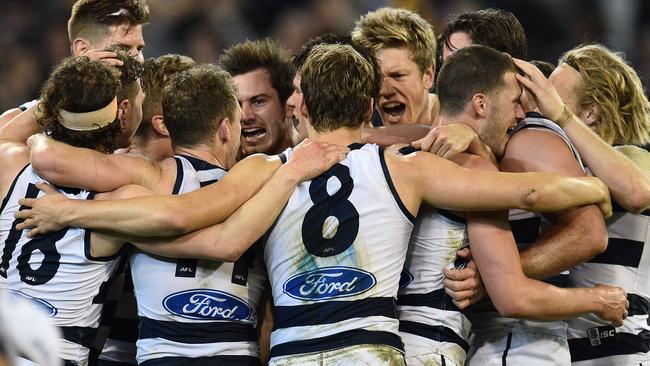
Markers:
point(56, 271)
point(193, 309)
point(334, 258)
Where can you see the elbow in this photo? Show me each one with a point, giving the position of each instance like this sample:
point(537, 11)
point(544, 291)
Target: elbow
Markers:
point(638, 201)
point(173, 221)
point(512, 307)
point(43, 162)
point(597, 238)
point(231, 254)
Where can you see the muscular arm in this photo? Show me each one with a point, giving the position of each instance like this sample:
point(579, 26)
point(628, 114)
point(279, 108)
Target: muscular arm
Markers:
point(629, 185)
point(228, 240)
point(576, 234)
point(440, 183)
point(70, 166)
point(19, 128)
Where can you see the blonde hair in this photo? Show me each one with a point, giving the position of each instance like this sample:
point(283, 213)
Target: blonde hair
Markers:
point(608, 81)
point(338, 84)
point(393, 27)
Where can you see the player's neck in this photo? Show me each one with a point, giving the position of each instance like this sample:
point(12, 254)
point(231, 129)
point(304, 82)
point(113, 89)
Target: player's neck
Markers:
point(446, 120)
point(341, 136)
point(429, 111)
point(204, 153)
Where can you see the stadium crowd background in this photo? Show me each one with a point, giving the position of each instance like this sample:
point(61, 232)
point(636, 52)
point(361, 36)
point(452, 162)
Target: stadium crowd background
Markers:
point(34, 37)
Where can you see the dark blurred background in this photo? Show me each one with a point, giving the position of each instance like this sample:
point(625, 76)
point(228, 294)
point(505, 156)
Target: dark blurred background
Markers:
point(34, 36)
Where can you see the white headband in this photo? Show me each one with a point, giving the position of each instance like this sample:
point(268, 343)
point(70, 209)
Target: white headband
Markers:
point(88, 121)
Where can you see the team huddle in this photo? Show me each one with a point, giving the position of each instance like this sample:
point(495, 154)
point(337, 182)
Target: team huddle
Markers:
point(326, 207)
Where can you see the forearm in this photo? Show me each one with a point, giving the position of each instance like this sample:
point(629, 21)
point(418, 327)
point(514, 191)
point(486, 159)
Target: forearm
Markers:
point(565, 244)
point(628, 185)
point(389, 135)
point(19, 128)
point(228, 240)
point(555, 192)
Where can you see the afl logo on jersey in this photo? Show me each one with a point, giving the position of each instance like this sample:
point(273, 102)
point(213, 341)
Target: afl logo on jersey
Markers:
point(40, 304)
point(329, 283)
point(202, 304)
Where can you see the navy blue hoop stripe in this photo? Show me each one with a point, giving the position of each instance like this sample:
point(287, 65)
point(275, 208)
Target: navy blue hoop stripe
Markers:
point(435, 299)
point(197, 333)
point(621, 344)
point(332, 312)
point(623, 252)
point(204, 361)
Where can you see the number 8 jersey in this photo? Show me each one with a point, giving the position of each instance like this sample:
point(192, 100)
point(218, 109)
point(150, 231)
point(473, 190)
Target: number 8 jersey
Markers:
point(56, 271)
point(334, 258)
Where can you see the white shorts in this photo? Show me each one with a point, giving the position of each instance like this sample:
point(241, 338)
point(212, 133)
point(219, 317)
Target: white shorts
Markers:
point(422, 351)
point(518, 348)
point(361, 355)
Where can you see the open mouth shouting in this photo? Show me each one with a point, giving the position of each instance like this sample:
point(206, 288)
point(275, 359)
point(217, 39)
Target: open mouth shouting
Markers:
point(253, 135)
point(393, 112)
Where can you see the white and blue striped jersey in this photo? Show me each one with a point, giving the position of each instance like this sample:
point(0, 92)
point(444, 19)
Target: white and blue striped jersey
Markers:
point(334, 258)
point(625, 263)
point(197, 311)
point(526, 227)
point(57, 272)
point(426, 313)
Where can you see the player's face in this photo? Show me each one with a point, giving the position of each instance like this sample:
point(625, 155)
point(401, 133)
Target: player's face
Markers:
point(504, 111)
point(565, 80)
point(293, 106)
point(134, 118)
point(457, 40)
point(127, 36)
point(405, 89)
point(264, 126)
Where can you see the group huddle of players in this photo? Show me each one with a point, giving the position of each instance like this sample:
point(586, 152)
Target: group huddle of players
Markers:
point(385, 197)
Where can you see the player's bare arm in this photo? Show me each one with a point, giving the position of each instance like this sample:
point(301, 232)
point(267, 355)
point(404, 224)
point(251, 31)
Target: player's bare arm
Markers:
point(172, 215)
point(70, 166)
point(576, 234)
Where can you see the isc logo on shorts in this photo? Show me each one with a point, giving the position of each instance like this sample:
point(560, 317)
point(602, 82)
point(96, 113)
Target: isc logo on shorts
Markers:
point(329, 283)
point(598, 335)
point(202, 304)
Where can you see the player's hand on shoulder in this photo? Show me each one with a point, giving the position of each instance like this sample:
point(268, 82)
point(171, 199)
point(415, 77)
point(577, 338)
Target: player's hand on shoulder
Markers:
point(42, 215)
point(463, 281)
point(614, 304)
point(311, 158)
point(447, 141)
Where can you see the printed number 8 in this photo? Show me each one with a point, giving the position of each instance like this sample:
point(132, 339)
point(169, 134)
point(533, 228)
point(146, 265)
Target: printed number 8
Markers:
point(334, 211)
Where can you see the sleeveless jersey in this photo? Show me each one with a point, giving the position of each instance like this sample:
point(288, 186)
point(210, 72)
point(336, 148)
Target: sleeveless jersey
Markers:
point(625, 263)
point(57, 272)
point(423, 308)
point(526, 227)
point(196, 310)
point(334, 258)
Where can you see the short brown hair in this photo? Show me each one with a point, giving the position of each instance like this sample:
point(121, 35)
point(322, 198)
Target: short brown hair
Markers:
point(265, 54)
point(392, 27)
point(79, 85)
point(338, 85)
point(195, 101)
point(470, 70)
point(91, 18)
point(495, 28)
point(155, 76)
point(608, 81)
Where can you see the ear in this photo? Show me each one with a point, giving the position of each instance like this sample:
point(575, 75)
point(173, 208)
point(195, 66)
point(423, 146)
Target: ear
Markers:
point(479, 105)
point(370, 109)
point(158, 125)
point(224, 130)
point(427, 76)
point(123, 108)
point(80, 46)
point(591, 115)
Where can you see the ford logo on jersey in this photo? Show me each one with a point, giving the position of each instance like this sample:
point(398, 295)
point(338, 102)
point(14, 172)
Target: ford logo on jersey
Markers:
point(40, 304)
point(329, 283)
point(202, 304)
